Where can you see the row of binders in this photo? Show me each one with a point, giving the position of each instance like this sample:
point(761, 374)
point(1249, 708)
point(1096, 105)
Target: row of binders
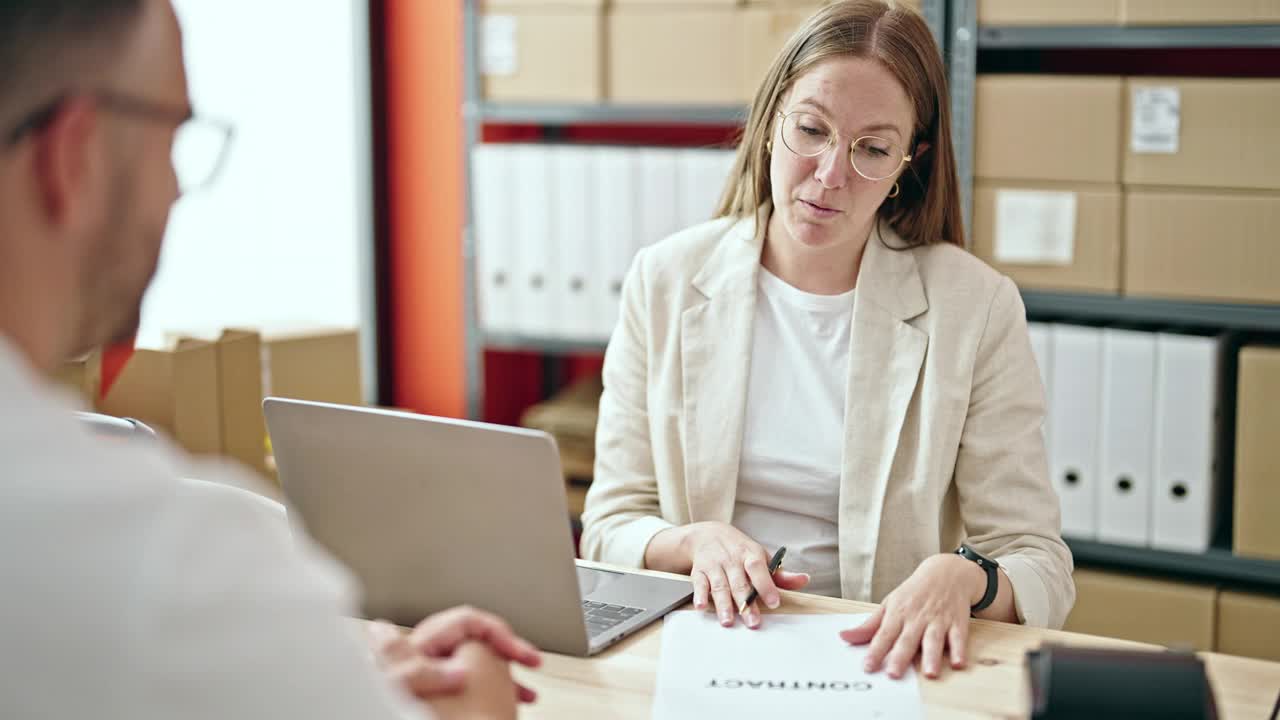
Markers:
point(556, 228)
point(1130, 430)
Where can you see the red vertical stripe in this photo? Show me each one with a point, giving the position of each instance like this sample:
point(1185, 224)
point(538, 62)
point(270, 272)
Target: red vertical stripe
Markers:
point(425, 140)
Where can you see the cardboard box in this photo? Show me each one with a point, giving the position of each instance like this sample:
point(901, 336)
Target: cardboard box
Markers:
point(1049, 12)
point(323, 366)
point(82, 376)
point(1094, 232)
point(765, 32)
point(1202, 245)
point(244, 430)
point(1257, 486)
point(1201, 12)
point(542, 53)
point(1202, 132)
point(1145, 610)
point(676, 56)
point(174, 390)
point(1249, 625)
point(1048, 127)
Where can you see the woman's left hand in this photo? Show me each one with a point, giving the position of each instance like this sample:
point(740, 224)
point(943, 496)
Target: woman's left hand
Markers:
point(927, 612)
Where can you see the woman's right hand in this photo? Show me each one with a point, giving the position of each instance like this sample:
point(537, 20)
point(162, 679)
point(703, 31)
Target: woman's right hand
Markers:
point(724, 565)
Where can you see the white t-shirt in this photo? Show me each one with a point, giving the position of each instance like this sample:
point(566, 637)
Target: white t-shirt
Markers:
point(793, 437)
point(126, 594)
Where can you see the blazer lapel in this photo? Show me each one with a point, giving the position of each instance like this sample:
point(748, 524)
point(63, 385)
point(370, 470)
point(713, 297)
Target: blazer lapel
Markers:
point(715, 356)
point(885, 360)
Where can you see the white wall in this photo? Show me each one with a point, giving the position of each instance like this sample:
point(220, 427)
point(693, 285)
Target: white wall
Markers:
point(283, 238)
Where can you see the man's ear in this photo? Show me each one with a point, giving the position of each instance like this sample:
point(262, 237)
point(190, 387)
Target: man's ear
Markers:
point(64, 161)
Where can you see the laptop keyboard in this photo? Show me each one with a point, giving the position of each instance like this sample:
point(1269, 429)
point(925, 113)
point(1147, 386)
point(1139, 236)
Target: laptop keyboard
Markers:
point(600, 616)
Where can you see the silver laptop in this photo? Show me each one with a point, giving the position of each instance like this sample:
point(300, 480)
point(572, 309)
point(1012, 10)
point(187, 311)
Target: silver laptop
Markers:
point(433, 512)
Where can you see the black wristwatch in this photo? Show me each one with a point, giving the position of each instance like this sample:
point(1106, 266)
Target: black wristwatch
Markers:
point(993, 580)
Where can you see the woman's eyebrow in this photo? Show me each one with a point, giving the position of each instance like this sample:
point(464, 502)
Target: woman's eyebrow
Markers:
point(874, 127)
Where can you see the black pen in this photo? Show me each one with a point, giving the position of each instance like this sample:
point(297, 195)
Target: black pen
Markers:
point(774, 565)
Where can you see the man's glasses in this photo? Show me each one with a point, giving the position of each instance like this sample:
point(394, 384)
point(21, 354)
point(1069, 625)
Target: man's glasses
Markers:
point(200, 145)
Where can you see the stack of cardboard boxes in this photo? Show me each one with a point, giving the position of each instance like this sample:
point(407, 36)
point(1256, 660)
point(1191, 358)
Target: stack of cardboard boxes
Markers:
point(1202, 175)
point(1153, 187)
point(206, 394)
point(688, 52)
point(1047, 200)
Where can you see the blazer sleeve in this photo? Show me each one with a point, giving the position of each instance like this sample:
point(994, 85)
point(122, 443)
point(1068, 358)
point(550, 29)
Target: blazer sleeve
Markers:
point(1007, 503)
point(622, 512)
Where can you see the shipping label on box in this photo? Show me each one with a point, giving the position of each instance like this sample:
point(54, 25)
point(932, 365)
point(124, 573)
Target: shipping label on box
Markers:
point(498, 51)
point(1156, 120)
point(1035, 227)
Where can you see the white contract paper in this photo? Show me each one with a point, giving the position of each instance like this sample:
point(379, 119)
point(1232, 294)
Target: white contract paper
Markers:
point(794, 666)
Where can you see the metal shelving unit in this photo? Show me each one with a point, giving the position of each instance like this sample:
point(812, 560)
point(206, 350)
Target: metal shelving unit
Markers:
point(476, 112)
point(954, 24)
point(611, 114)
point(529, 343)
point(1215, 566)
point(1129, 37)
point(472, 120)
point(962, 64)
point(1089, 308)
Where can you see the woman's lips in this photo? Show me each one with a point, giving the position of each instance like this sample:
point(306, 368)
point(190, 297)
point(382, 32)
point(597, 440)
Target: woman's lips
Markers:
point(819, 210)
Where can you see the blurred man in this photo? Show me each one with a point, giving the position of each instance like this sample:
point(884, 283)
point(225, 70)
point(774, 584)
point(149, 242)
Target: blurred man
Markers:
point(128, 594)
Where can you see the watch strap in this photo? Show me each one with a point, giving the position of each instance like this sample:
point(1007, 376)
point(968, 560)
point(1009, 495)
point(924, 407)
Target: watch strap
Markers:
point(993, 579)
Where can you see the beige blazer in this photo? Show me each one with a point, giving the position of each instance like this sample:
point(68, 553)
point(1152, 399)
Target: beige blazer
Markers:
point(942, 442)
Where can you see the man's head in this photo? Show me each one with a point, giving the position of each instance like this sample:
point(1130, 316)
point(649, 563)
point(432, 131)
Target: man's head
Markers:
point(91, 98)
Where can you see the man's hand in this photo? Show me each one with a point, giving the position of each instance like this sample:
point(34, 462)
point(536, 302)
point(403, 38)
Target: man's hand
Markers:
point(420, 659)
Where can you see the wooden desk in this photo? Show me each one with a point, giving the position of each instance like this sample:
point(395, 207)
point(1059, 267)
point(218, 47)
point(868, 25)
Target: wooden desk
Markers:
point(619, 683)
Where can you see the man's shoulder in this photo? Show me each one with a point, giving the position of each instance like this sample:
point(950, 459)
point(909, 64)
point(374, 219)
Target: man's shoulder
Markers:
point(139, 514)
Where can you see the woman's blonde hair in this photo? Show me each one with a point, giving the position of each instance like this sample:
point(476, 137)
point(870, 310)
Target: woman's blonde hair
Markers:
point(927, 209)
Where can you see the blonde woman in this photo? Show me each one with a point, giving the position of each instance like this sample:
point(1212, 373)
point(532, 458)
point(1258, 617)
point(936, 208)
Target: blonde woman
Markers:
point(824, 367)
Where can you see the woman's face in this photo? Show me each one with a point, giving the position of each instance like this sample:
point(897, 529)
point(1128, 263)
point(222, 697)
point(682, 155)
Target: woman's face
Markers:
point(821, 202)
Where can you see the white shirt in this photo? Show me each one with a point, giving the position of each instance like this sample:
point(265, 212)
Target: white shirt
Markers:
point(793, 436)
point(126, 594)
